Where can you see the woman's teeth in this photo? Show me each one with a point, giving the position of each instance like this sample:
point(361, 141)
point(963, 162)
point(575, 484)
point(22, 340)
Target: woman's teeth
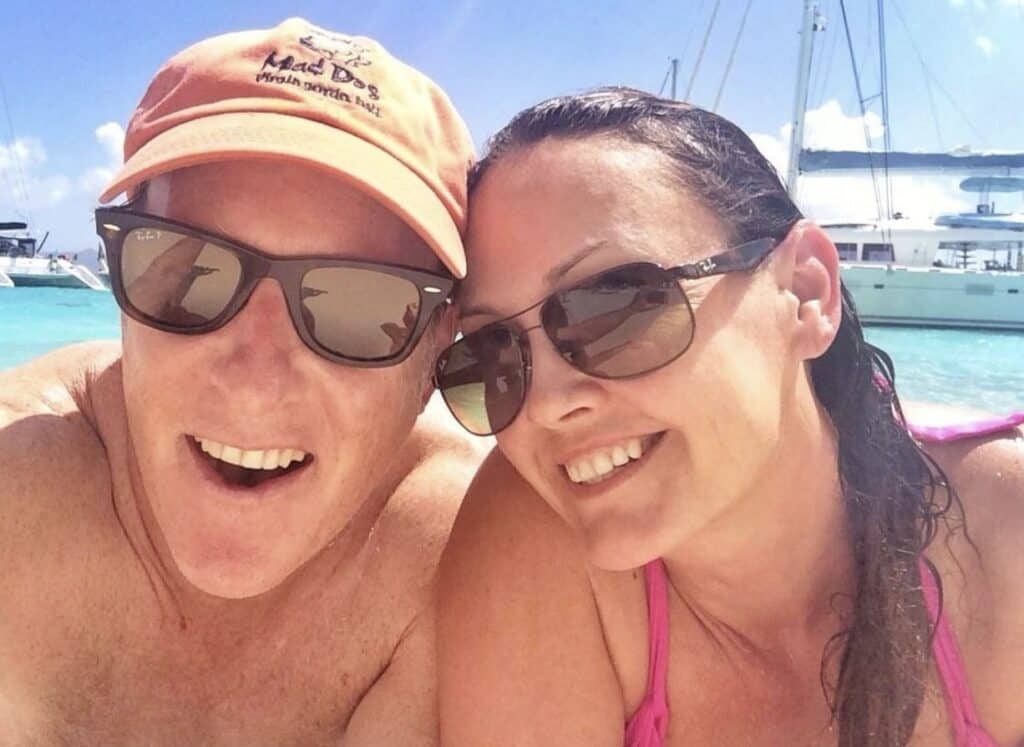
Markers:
point(600, 463)
point(250, 458)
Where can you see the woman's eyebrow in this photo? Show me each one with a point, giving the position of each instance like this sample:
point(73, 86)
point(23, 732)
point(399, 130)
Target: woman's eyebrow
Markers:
point(551, 278)
point(560, 270)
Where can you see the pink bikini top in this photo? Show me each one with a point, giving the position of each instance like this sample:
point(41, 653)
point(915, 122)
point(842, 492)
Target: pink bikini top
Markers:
point(649, 725)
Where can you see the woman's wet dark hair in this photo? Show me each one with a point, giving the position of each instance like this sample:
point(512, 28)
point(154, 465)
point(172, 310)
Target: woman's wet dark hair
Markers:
point(895, 494)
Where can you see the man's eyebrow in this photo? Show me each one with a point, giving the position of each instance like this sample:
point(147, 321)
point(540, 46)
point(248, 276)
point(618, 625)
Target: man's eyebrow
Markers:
point(550, 278)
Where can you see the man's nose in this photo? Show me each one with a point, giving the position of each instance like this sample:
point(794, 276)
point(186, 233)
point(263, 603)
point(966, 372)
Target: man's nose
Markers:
point(259, 348)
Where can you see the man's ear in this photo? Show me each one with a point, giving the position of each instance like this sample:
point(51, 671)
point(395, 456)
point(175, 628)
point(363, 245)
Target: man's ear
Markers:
point(812, 275)
point(442, 334)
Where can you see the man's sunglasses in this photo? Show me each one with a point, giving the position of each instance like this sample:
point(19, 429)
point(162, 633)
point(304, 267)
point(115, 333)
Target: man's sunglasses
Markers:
point(623, 322)
point(176, 278)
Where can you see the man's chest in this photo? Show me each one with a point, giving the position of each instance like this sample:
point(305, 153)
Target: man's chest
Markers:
point(158, 700)
point(131, 674)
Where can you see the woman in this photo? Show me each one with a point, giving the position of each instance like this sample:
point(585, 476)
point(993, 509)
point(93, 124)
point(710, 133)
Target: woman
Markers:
point(707, 522)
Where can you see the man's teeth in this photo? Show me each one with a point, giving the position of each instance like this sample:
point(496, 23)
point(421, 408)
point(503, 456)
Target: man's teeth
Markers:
point(600, 463)
point(251, 458)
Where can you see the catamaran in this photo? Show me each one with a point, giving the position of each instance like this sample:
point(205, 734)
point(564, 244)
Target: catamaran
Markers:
point(22, 265)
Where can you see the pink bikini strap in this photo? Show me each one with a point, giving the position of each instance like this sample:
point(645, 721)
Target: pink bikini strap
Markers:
point(657, 617)
point(959, 703)
point(974, 429)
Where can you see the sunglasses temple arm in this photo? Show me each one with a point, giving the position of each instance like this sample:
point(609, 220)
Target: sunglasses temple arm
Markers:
point(743, 257)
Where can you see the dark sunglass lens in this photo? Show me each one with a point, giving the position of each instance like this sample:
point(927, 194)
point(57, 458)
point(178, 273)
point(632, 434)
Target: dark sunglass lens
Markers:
point(360, 313)
point(622, 323)
point(483, 380)
point(177, 279)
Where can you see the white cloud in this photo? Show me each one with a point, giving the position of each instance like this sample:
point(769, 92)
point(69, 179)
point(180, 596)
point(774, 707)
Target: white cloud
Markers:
point(827, 196)
point(825, 128)
point(24, 187)
point(110, 136)
point(23, 153)
point(95, 179)
point(21, 188)
point(986, 45)
point(976, 4)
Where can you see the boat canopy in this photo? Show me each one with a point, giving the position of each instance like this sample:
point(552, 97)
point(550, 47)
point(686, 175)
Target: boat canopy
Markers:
point(838, 160)
point(987, 184)
point(974, 220)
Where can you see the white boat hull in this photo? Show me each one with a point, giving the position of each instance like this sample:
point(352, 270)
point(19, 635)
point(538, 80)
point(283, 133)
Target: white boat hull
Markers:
point(37, 272)
point(936, 297)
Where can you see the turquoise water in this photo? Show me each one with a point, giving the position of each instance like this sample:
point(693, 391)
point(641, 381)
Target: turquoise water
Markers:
point(978, 369)
point(35, 320)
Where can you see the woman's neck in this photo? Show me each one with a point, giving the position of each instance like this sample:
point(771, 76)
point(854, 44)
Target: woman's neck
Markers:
point(777, 568)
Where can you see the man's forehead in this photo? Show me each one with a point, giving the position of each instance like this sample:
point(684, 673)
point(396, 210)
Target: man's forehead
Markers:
point(286, 208)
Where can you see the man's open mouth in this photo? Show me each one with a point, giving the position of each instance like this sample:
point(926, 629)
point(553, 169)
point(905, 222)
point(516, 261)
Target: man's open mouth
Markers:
point(246, 468)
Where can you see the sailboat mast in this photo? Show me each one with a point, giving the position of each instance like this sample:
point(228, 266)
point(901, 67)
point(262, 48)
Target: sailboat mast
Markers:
point(803, 76)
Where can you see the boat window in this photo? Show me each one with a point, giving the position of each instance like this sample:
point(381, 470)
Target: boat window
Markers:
point(847, 251)
point(878, 253)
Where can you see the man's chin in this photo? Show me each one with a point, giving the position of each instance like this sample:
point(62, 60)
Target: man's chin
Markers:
point(235, 542)
point(232, 577)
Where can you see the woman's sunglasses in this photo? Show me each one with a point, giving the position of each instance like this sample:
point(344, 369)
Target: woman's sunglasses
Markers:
point(175, 278)
point(623, 322)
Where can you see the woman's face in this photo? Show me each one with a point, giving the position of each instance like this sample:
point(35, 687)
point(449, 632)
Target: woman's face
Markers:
point(707, 425)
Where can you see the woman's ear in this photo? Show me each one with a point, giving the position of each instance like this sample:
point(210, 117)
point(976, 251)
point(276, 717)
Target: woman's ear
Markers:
point(814, 282)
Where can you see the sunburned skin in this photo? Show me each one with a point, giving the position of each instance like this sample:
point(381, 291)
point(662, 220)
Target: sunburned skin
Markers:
point(153, 592)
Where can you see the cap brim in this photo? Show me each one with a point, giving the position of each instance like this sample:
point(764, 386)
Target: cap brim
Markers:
point(242, 135)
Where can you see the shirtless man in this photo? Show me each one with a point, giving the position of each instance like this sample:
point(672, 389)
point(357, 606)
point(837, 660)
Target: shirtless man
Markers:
point(229, 536)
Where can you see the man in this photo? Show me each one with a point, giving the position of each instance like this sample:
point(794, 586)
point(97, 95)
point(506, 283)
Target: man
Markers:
point(226, 533)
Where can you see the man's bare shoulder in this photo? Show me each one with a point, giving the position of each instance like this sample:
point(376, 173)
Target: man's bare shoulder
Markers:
point(413, 528)
point(53, 457)
point(54, 384)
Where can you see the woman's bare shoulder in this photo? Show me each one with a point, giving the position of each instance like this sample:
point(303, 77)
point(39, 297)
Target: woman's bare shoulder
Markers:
point(982, 567)
point(521, 650)
point(988, 476)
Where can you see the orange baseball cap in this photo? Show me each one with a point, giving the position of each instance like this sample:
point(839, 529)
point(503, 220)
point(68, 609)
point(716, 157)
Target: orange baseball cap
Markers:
point(301, 93)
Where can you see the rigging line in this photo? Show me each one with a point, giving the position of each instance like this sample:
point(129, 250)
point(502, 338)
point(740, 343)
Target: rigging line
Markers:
point(14, 195)
point(664, 81)
point(693, 26)
point(15, 159)
point(883, 75)
point(732, 56)
point(956, 106)
point(860, 101)
point(924, 74)
point(700, 54)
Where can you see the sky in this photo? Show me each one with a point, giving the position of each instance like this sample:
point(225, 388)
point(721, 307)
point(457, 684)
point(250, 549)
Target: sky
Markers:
point(73, 72)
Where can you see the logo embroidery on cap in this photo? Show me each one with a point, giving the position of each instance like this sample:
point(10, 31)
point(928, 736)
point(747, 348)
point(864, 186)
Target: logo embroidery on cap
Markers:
point(338, 59)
